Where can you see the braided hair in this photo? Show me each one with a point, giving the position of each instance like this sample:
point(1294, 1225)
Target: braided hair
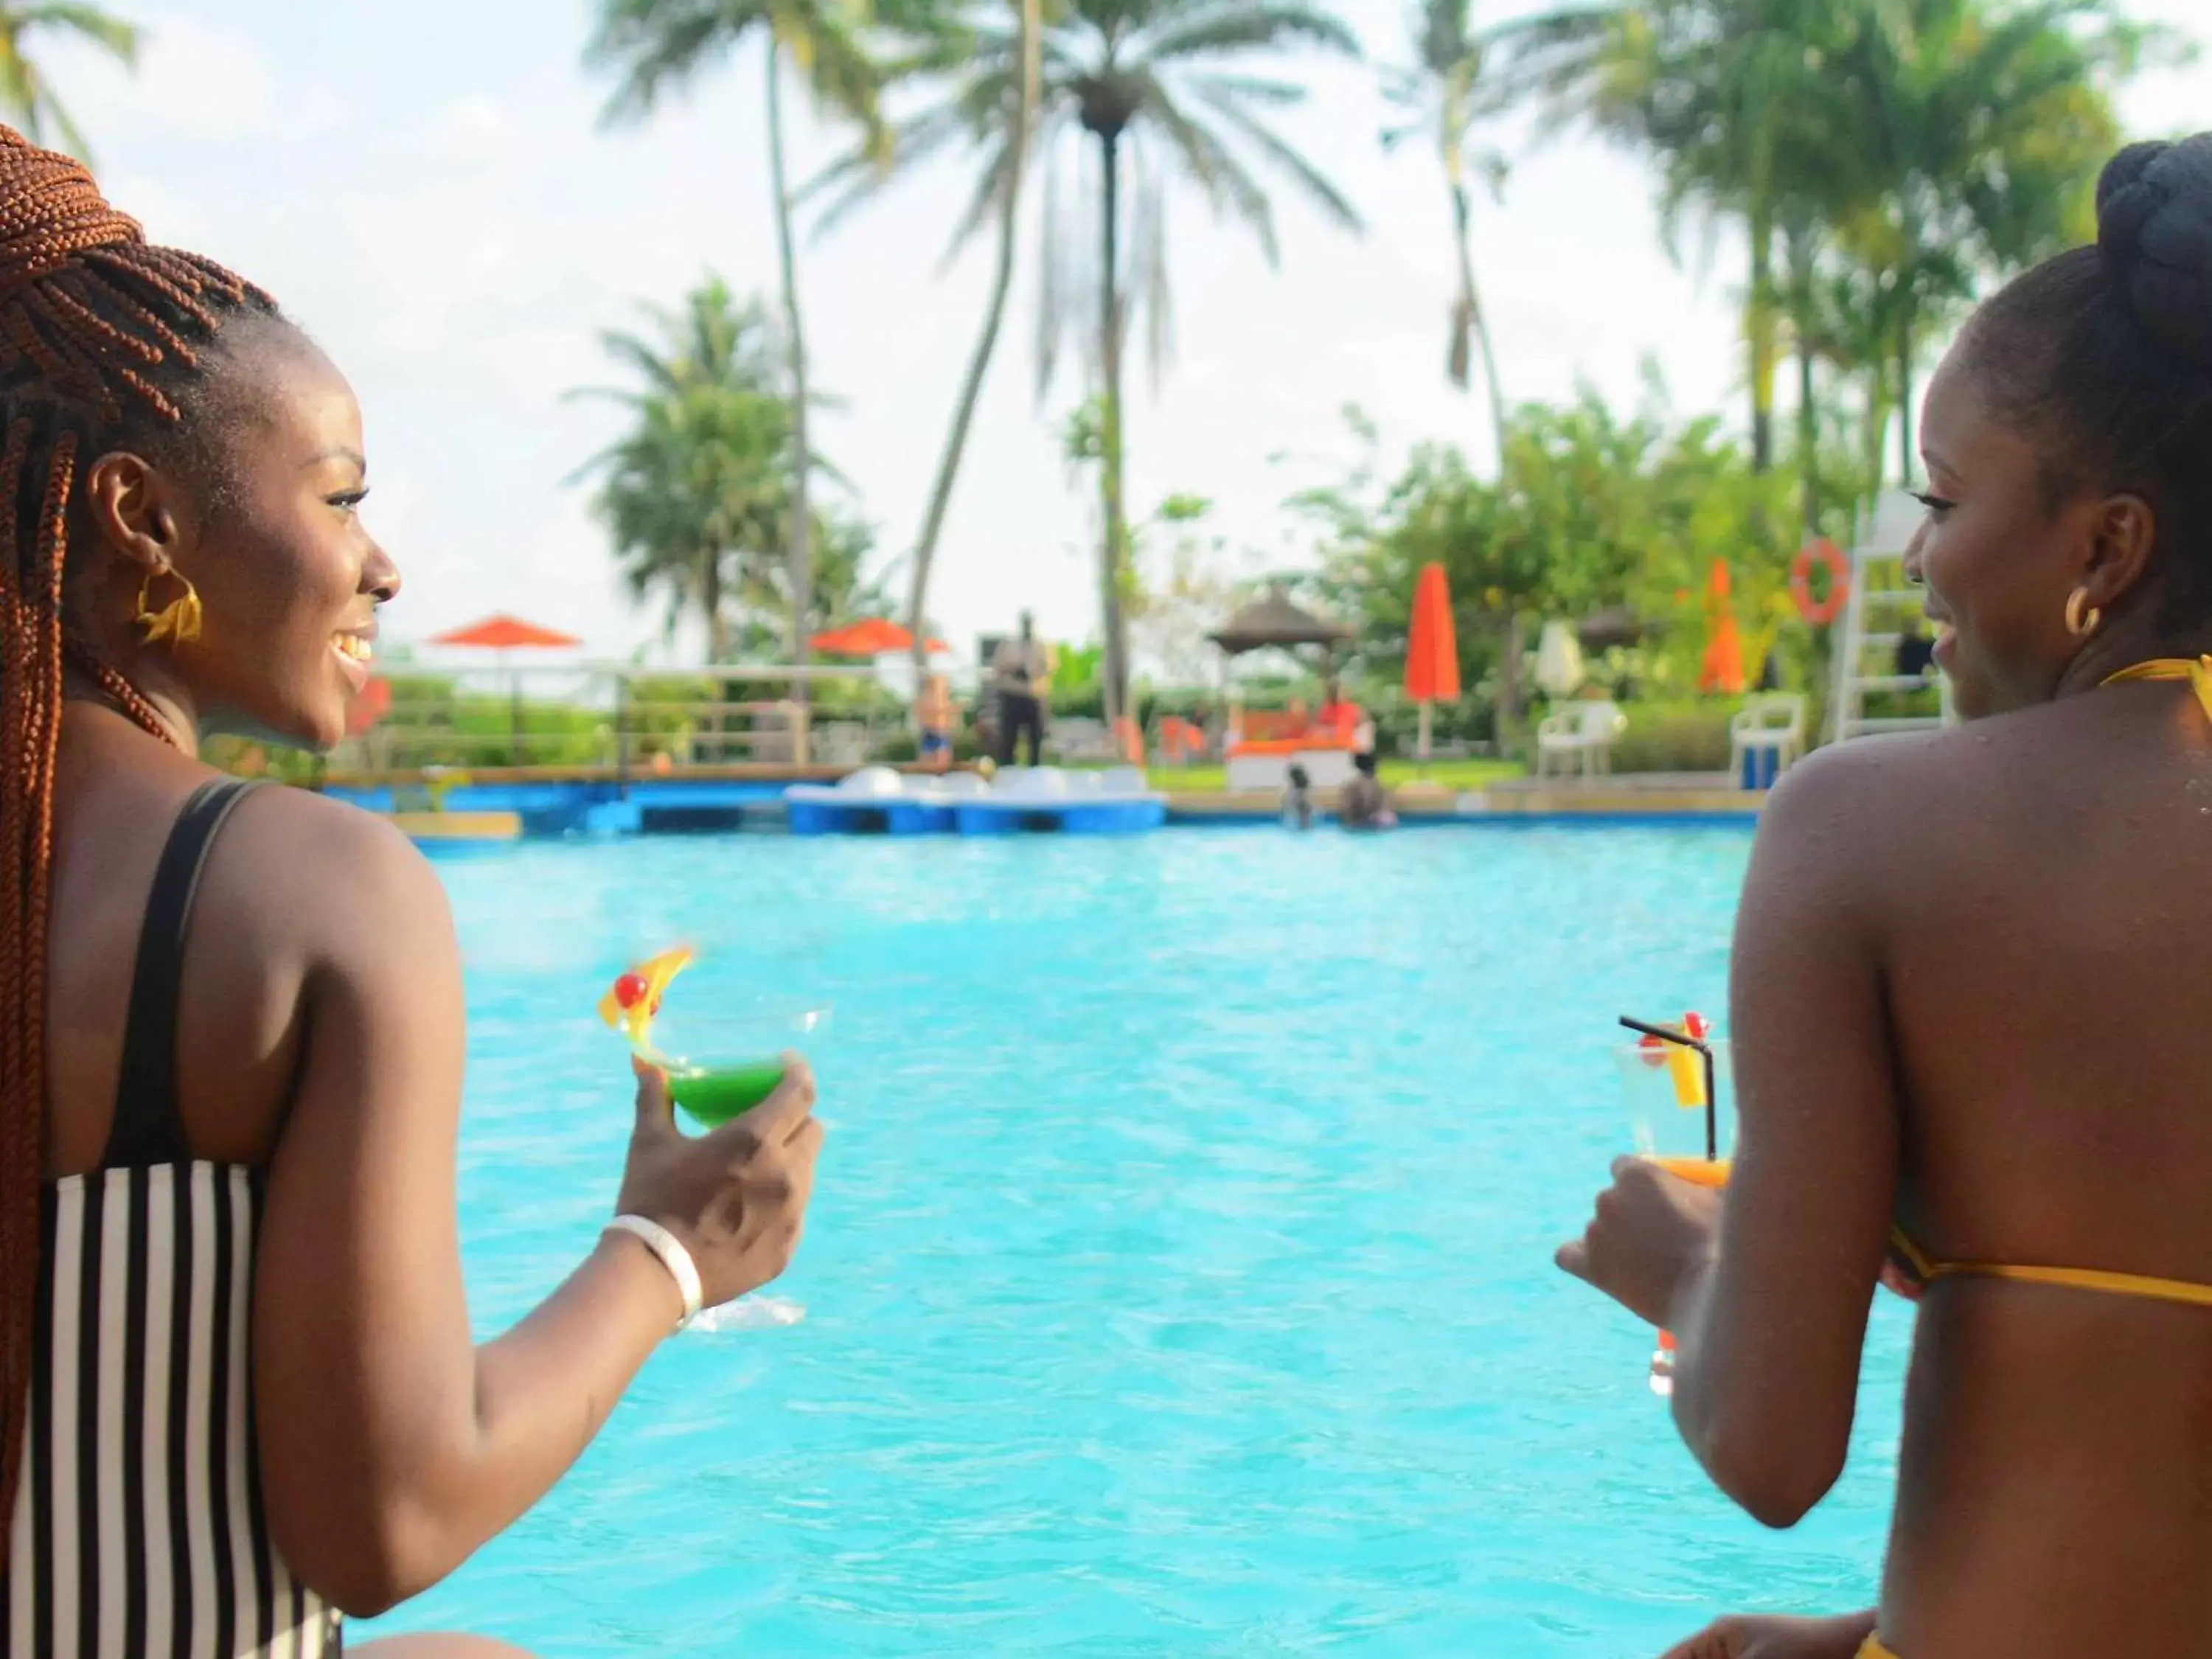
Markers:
point(103, 344)
point(2103, 358)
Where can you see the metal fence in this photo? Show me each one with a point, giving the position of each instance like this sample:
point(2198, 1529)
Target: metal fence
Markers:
point(618, 719)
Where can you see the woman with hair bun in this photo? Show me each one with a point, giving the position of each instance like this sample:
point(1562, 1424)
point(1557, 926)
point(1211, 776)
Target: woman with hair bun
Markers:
point(1972, 1023)
point(239, 1389)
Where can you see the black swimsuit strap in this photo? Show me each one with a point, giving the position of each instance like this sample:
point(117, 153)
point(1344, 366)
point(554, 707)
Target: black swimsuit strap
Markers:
point(149, 1129)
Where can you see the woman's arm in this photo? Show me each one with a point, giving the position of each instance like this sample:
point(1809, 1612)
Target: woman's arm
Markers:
point(391, 1447)
point(1770, 1317)
point(1751, 1636)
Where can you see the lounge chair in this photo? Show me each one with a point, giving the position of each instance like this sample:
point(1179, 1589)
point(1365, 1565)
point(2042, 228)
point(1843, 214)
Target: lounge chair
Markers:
point(1766, 739)
point(1579, 737)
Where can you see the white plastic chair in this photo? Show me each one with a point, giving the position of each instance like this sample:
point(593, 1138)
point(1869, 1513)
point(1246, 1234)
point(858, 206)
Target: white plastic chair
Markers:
point(1766, 728)
point(1579, 737)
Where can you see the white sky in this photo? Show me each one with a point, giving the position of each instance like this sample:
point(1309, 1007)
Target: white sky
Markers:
point(423, 184)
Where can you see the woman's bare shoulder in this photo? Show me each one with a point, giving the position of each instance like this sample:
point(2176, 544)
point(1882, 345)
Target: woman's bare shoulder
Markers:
point(325, 876)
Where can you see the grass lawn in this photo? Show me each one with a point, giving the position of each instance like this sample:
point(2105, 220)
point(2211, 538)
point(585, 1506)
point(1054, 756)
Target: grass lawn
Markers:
point(1395, 774)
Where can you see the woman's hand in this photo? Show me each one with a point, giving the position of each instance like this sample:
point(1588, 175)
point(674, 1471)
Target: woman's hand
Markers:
point(1743, 1637)
point(736, 1196)
point(1651, 1232)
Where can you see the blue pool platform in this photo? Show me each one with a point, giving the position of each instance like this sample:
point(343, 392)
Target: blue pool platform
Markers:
point(877, 801)
point(491, 809)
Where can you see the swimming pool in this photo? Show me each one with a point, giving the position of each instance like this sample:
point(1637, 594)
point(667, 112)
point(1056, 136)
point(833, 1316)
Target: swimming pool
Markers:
point(1178, 1276)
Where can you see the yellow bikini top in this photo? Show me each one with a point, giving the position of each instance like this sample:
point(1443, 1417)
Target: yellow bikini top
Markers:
point(2197, 670)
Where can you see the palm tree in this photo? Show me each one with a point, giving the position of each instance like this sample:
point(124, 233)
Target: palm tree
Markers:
point(1003, 187)
point(1737, 102)
point(1982, 131)
point(654, 45)
point(696, 492)
point(1149, 90)
point(24, 96)
point(1453, 88)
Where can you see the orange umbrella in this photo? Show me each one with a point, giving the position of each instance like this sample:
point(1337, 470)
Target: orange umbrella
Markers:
point(504, 633)
point(1432, 648)
point(1723, 668)
point(877, 637)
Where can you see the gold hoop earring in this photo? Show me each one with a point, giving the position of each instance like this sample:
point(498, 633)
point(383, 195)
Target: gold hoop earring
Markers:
point(2081, 623)
point(177, 621)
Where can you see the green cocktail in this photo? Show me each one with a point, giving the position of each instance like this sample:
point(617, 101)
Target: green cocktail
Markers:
point(711, 1096)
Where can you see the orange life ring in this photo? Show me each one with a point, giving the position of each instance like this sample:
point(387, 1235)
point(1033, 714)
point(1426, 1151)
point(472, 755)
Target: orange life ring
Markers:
point(1819, 612)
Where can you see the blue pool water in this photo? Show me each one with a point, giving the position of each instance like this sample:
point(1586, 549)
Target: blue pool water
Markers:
point(1178, 1276)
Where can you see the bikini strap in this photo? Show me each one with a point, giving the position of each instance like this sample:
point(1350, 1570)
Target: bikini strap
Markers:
point(149, 1129)
point(2197, 670)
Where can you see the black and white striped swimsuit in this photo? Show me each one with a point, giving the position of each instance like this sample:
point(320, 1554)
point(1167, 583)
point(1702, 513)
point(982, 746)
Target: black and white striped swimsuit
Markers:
point(139, 1529)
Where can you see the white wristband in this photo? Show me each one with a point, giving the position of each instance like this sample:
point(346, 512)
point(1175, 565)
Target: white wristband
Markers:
point(673, 1257)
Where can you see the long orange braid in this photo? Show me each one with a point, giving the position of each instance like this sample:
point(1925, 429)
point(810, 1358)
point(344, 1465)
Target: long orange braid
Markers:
point(98, 332)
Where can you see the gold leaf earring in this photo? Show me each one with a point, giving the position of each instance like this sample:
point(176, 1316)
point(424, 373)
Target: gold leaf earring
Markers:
point(177, 621)
point(2081, 623)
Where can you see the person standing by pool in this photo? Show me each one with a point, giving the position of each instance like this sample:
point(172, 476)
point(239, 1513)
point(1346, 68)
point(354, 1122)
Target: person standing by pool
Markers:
point(240, 1386)
point(1021, 674)
point(1968, 1033)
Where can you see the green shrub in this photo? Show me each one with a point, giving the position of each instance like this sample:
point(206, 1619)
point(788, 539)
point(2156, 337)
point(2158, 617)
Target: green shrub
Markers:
point(1675, 737)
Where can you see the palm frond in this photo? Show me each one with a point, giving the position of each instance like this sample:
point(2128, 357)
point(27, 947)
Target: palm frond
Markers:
point(1249, 88)
point(857, 178)
point(113, 35)
point(1233, 25)
point(653, 46)
point(989, 185)
point(1294, 167)
point(1228, 189)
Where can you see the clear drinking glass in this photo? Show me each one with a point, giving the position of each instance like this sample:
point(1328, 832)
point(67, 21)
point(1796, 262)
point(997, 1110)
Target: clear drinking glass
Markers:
point(1683, 1116)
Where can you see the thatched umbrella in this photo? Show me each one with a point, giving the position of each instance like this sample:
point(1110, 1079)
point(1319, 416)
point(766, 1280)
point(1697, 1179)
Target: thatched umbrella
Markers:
point(1272, 620)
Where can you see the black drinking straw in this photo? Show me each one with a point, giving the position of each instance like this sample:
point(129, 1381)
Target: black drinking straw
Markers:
point(1705, 1053)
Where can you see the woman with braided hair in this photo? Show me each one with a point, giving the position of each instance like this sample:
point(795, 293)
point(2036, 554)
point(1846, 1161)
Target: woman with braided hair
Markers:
point(1972, 1026)
point(241, 1392)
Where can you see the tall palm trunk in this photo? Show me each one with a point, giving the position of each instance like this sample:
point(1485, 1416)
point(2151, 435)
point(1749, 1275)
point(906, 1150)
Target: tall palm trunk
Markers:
point(1470, 319)
point(1028, 42)
point(1113, 553)
point(802, 454)
point(1758, 332)
point(710, 606)
point(1906, 454)
point(1802, 302)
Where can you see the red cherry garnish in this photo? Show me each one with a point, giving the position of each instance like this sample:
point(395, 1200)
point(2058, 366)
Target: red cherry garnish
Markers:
point(628, 990)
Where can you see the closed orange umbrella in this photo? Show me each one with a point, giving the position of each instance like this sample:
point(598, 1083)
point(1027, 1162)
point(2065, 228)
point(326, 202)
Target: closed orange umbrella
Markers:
point(877, 637)
point(1722, 670)
point(1432, 648)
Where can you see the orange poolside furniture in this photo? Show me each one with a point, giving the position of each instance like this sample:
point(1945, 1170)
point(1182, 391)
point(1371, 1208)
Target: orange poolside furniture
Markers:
point(1273, 742)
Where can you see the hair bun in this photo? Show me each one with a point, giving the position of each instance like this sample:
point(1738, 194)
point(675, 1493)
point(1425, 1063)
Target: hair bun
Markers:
point(2155, 233)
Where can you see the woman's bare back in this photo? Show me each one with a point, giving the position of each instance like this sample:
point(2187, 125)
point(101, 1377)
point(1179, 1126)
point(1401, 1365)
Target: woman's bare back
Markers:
point(2045, 879)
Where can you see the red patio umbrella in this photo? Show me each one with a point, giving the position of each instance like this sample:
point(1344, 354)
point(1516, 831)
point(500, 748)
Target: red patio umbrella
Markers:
point(877, 637)
point(1431, 649)
point(503, 633)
